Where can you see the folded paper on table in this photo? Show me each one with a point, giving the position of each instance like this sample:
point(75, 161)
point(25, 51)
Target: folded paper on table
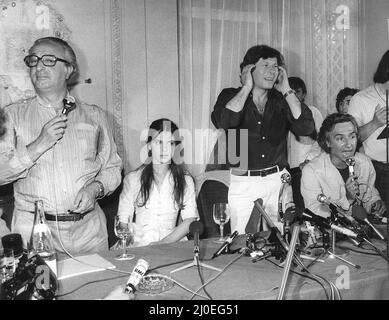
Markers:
point(90, 263)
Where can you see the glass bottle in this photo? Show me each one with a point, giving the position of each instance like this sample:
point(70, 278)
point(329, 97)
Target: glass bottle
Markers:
point(41, 241)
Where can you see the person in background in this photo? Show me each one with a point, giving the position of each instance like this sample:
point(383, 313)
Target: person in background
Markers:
point(299, 146)
point(343, 99)
point(3, 119)
point(68, 161)
point(260, 113)
point(329, 174)
point(369, 110)
point(161, 192)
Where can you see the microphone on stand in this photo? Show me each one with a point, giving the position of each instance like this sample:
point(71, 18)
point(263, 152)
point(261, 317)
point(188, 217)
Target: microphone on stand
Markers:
point(225, 244)
point(335, 208)
point(258, 204)
point(196, 228)
point(351, 163)
point(324, 223)
point(360, 214)
point(69, 103)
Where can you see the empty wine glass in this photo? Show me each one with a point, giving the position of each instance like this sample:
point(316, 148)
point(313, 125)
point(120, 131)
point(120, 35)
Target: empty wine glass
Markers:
point(221, 216)
point(124, 231)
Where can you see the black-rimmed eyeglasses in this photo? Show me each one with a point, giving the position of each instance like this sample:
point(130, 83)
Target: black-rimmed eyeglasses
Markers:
point(48, 60)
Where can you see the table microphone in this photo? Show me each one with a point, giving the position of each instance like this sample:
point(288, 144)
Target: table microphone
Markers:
point(225, 244)
point(196, 228)
point(360, 214)
point(69, 103)
point(136, 275)
point(324, 223)
point(323, 199)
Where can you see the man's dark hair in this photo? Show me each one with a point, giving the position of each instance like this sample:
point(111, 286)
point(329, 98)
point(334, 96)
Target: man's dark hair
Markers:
point(3, 120)
point(70, 55)
point(329, 124)
point(297, 83)
point(255, 53)
point(343, 93)
point(382, 73)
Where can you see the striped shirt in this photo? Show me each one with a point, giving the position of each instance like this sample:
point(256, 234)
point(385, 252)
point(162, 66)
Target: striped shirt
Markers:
point(87, 152)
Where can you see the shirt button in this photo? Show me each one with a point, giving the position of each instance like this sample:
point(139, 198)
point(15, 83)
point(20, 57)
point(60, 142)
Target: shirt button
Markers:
point(263, 138)
point(259, 122)
point(262, 156)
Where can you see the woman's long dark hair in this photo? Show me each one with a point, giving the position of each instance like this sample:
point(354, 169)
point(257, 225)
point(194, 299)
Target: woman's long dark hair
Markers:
point(177, 170)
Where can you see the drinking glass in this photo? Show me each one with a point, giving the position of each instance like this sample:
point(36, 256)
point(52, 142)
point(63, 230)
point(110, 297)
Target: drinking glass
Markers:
point(124, 231)
point(7, 264)
point(221, 216)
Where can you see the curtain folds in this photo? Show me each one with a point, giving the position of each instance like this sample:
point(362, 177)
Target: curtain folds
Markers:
point(319, 40)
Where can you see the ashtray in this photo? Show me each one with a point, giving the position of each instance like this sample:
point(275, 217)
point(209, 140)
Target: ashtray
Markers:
point(154, 283)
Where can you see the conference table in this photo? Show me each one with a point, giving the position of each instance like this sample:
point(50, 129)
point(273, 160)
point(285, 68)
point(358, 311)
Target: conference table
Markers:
point(240, 280)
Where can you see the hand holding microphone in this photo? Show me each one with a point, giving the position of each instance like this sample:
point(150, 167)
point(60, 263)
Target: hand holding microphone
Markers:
point(352, 184)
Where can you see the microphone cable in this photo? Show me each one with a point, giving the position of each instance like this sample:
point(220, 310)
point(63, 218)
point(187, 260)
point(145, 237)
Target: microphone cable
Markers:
point(218, 274)
point(201, 276)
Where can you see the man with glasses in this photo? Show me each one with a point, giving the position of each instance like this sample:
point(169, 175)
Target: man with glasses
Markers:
point(67, 160)
point(261, 111)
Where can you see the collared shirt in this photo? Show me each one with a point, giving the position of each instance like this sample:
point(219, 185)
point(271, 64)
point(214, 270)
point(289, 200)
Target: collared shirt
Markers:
point(362, 108)
point(299, 149)
point(320, 176)
point(267, 133)
point(87, 152)
point(158, 217)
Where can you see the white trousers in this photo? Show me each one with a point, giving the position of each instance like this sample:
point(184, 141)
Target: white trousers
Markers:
point(244, 190)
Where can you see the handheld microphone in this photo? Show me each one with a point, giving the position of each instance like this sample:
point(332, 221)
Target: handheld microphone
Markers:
point(225, 244)
point(136, 276)
point(69, 103)
point(335, 208)
point(196, 228)
point(324, 223)
point(360, 214)
point(351, 163)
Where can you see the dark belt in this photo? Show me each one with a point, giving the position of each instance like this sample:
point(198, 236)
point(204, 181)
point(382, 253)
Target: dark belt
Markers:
point(255, 173)
point(65, 217)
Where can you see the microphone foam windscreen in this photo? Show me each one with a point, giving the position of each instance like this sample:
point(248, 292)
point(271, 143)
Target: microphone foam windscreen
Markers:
point(358, 212)
point(196, 226)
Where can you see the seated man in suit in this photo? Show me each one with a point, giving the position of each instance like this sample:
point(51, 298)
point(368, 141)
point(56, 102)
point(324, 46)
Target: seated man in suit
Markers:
point(329, 173)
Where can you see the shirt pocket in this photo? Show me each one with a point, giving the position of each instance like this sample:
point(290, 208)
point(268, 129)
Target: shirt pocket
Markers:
point(87, 137)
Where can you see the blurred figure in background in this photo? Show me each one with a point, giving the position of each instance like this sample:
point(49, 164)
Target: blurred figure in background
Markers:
point(343, 99)
point(299, 146)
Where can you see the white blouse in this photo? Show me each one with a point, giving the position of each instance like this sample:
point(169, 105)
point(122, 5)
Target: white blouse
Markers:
point(158, 217)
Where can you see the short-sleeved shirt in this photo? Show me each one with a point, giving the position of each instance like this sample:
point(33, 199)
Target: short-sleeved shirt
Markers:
point(362, 108)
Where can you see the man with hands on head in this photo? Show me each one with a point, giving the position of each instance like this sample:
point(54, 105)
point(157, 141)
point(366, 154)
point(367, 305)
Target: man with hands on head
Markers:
point(68, 161)
point(260, 113)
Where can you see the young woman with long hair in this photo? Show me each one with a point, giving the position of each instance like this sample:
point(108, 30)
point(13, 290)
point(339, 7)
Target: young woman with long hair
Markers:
point(160, 192)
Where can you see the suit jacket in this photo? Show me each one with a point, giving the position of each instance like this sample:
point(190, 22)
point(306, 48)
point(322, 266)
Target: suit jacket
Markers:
point(321, 176)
